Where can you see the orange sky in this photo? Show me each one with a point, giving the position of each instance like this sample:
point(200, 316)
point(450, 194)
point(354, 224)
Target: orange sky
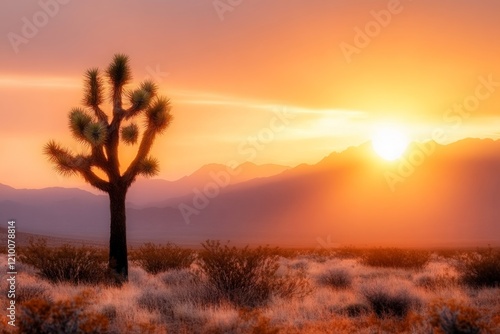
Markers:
point(228, 78)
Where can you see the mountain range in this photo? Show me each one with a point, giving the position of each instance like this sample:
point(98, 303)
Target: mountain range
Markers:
point(156, 192)
point(434, 195)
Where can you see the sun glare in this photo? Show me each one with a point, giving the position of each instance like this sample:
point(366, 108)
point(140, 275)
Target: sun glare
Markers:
point(389, 142)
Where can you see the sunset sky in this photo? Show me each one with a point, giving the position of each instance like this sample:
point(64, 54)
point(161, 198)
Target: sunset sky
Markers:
point(235, 72)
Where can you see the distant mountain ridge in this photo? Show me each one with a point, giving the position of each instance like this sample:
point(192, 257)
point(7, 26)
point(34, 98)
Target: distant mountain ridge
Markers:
point(154, 192)
point(446, 195)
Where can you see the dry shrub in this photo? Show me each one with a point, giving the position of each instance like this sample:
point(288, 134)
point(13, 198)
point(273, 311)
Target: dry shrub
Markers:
point(66, 263)
point(109, 311)
point(337, 278)
point(292, 285)
point(456, 318)
point(480, 269)
point(300, 265)
point(177, 277)
point(39, 316)
point(247, 277)
point(190, 291)
point(159, 258)
point(157, 301)
point(195, 290)
point(447, 253)
point(33, 291)
point(435, 282)
point(288, 253)
point(390, 301)
point(355, 310)
point(396, 258)
point(349, 252)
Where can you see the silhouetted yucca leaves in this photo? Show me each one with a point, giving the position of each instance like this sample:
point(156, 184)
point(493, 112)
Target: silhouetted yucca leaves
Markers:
point(93, 88)
point(62, 158)
point(96, 133)
point(130, 134)
point(158, 115)
point(84, 129)
point(78, 121)
point(119, 71)
point(81, 162)
point(149, 167)
point(139, 99)
point(150, 87)
point(95, 129)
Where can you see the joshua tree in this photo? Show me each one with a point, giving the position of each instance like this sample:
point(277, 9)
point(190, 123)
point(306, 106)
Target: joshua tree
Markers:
point(100, 166)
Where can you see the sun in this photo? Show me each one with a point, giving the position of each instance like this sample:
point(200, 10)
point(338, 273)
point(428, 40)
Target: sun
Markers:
point(389, 142)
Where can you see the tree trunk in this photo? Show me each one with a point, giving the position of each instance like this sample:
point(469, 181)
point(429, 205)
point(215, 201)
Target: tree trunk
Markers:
point(118, 261)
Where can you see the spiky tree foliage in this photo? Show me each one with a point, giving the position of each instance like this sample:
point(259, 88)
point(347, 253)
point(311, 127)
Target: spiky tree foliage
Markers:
point(101, 135)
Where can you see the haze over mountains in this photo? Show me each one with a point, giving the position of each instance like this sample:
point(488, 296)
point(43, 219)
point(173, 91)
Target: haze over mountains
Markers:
point(436, 195)
point(154, 192)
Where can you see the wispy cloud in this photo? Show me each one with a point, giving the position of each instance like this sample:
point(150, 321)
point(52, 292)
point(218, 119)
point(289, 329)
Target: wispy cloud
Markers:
point(40, 82)
point(206, 98)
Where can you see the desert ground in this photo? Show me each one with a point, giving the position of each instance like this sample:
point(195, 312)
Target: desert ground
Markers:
point(219, 288)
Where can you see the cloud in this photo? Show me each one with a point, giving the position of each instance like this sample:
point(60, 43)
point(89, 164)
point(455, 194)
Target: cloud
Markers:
point(39, 82)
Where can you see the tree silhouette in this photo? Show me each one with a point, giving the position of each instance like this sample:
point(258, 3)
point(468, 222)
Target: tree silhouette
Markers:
point(100, 165)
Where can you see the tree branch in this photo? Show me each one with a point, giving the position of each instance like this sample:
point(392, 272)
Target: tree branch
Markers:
point(141, 98)
point(101, 115)
point(119, 75)
point(98, 158)
point(62, 158)
point(142, 153)
point(111, 147)
point(94, 93)
point(94, 180)
point(67, 163)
